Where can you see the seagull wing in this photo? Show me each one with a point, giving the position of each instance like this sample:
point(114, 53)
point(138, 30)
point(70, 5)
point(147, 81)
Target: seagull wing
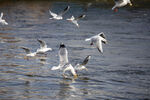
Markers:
point(85, 61)
point(27, 50)
point(81, 16)
point(103, 37)
point(99, 45)
point(65, 10)
point(53, 14)
point(1, 15)
point(42, 43)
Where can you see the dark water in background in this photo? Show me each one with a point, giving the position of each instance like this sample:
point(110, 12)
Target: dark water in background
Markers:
point(121, 73)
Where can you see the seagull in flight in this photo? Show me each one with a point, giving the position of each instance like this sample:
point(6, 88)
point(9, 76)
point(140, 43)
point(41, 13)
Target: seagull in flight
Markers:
point(58, 16)
point(82, 65)
point(75, 20)
point(64, 62)
point(28, 52)
point(120, 3)
point(98, 40)
point(43, 47)
point(2, 21)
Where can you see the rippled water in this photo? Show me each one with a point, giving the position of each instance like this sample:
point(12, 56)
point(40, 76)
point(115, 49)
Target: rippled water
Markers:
point(122, 72)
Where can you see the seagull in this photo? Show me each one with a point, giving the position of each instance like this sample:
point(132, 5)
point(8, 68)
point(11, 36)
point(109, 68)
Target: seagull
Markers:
point(82, 65)
point(63, 61)
point(43, 47)
point(120, 3)
point(28, 52)
point(74, 20)
point(97, 40)
point(59, 16)
point(2, 21)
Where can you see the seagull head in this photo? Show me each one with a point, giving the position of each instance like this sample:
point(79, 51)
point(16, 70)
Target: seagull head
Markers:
point(62, 45)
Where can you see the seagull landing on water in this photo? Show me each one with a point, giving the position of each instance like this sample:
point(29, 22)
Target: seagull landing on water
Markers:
point(63, 61)
point(2, 21)
point(82, 65)
point(120, 3)
point(59, 16)
point(97, 40)
point(43, 47)
point(28, 52)
point(74, 20)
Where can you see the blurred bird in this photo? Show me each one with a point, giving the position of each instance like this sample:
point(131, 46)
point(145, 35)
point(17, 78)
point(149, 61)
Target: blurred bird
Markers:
point(59, 16)
point(120, 3)
point(63, 61)
point(97, 40)
point(74, 20)
point(43, 47)
point(82, 65)
point(2, 21)
point(28, 52)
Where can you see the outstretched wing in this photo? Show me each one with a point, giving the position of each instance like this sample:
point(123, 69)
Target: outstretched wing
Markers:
point(99, 45)
point(85, 61)
point(42, 43)
point(103, 37)
point(65, 10)
point(27, 50)
point(80, 17)
point(53, 14)
point(1, 14)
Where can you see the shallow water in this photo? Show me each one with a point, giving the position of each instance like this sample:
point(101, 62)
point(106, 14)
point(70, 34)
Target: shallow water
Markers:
point(122, 72)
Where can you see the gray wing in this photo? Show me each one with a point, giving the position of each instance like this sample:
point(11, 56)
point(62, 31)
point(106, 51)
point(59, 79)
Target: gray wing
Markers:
point(27, 50)
point(85, 61)
point(65, 10)
point(118, 1)
point(81, 16)
point(42, 43)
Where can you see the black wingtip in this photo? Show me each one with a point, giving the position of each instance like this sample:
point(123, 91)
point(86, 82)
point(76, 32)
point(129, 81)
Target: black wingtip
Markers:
point(68, 7)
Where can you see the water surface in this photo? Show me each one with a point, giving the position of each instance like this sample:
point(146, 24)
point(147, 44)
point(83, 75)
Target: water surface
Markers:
point(122, 72)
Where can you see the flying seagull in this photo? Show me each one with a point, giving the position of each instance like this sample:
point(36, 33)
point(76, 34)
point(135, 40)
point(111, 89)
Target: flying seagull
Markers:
point(2, 21)
point(58, 16)
point(120, 3)
point(98, 40)
point(75, 20)
point(82, 65)
point(28, 52)
point(43, 47)
point(63, 61)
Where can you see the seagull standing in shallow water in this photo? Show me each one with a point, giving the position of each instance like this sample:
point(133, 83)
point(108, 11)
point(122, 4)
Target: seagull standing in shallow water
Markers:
point(43, 47)
point(28, 52)
point(120, 3)
point(2, 21)
point(63, 61)
point(74, 20)
point(58, 16)
point(97, 40)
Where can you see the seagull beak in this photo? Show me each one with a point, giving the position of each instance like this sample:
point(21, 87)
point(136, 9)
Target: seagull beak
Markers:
point(75, 76)
point(130, 4)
